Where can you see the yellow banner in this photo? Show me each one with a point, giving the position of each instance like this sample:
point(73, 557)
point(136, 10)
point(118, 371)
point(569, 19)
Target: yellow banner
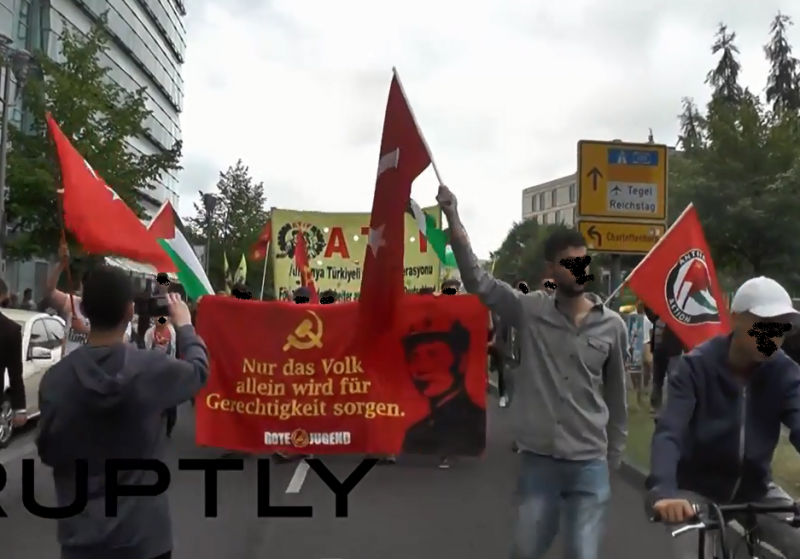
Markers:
point(337, 243)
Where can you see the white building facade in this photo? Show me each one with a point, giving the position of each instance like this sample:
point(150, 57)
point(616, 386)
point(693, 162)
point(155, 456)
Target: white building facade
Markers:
point(552, 202)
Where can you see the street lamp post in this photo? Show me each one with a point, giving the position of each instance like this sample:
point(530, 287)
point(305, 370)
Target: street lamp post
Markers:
point(210, 204)
point(14, 61)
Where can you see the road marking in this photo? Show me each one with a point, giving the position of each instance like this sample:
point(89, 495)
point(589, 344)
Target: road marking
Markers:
point(299, 476)
point(13, 454)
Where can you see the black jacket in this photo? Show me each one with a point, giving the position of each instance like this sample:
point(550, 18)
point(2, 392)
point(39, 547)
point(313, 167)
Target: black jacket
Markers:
point(716, 438)
point(11, 360)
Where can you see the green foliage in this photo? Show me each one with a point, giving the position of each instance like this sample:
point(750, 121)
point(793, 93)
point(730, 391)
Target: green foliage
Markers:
point(521, 256)
point(740, 163)
point(237, 221)
point(99, 116)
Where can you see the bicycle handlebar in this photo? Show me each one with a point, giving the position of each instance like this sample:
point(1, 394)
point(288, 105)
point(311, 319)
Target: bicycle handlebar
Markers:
point(711, 516)
point(702, 510)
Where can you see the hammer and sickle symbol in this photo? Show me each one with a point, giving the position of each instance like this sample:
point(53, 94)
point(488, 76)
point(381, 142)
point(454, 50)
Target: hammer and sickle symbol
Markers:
point(306, 336)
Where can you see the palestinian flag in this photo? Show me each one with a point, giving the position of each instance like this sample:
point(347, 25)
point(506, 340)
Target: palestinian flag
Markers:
point(168, 229)
point(437, 238)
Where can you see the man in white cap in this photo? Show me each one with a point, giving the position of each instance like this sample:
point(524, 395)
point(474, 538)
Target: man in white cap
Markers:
point(728, 398)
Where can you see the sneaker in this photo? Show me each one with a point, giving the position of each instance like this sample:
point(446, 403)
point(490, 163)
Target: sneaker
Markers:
point(444, 464)
point(503, 401)
point(387, 460)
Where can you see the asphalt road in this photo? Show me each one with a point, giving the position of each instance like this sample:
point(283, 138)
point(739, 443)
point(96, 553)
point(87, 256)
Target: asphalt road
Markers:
point(408, 510)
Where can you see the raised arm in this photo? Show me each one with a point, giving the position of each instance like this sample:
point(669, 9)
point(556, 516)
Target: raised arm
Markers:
point(174, 381)
point(500, 297)
point(58, 299)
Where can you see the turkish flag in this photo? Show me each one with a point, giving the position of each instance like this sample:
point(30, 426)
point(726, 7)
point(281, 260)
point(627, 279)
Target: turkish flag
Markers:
point(403, 157)
point(678, 282)
point(97, 216)
point(303, 266)
point(260, 248)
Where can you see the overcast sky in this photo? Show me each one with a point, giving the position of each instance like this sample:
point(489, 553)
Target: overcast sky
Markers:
point(502, 90)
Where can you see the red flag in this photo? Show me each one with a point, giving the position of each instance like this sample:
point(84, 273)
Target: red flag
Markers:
point(290, 340)
point(163, 224)
point(678, 282)
point(301, 261)
point(260, 248)
point(403, 157)
point(97, 216)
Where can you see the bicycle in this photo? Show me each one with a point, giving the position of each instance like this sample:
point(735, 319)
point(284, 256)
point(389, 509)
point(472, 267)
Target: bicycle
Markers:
point(711, 519)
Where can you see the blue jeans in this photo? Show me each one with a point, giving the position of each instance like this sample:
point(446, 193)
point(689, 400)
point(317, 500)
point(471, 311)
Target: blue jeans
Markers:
point(548, 487)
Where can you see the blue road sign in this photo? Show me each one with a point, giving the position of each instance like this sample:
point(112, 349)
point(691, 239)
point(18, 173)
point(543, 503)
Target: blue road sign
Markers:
point(621, 156)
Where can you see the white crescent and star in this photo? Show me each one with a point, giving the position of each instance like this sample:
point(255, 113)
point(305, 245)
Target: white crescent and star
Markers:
point(376, 239)
point(114, 195)
point(387, 161)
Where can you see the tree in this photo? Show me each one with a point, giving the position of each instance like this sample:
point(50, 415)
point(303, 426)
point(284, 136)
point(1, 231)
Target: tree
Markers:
point(237, 221)
point(783, 89)
point(518, 257)
point(521, 256)
point(740, 166)
point(725, 77)
point(99, 116)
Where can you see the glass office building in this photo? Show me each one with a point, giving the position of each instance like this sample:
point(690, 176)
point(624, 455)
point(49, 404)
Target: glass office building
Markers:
point(146, 50)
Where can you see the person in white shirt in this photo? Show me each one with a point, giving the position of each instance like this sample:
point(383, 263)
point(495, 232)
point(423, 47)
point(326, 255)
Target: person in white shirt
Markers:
point(647, 355)
point(161, 336)
point(69, 305)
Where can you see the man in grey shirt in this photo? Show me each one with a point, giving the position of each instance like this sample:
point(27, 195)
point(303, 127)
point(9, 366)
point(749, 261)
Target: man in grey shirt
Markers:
point(569, 409)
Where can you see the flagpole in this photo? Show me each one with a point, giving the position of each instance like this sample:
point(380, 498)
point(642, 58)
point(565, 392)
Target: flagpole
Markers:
point(416, 123)
point(60, 201)
point(655, 246)
point(264, 274)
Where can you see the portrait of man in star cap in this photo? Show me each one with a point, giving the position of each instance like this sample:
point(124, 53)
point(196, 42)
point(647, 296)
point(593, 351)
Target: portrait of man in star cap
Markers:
point(436, 358)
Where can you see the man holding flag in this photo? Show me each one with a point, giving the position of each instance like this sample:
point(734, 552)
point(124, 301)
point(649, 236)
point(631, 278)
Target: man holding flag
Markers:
point(570, 410)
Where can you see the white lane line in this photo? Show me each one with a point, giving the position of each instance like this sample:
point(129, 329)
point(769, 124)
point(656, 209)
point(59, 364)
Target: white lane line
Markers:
point(12, 454)
point(299, 476)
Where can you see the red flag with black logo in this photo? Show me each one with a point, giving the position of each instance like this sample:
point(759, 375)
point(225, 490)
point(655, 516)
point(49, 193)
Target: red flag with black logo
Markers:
point(403, 157)
point(304, 267)
point(97, 216)
point(678, 282)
